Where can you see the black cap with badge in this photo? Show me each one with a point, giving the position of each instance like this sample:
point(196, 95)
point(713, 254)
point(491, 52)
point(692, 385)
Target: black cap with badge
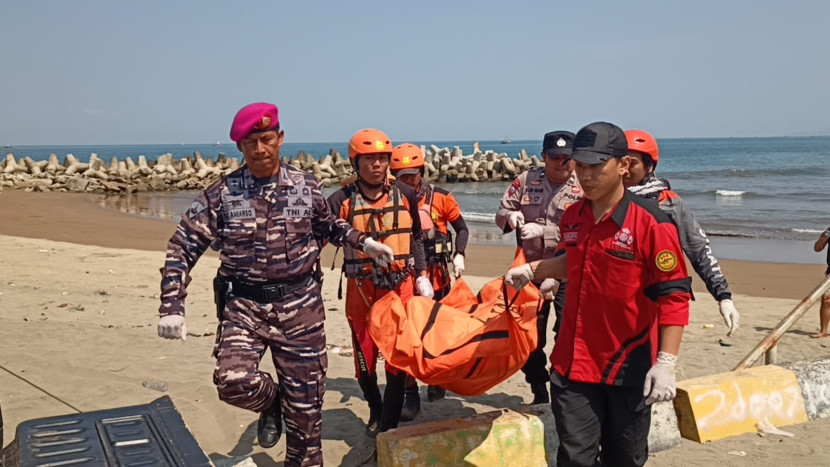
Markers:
point(558, 142)
point(598, 142)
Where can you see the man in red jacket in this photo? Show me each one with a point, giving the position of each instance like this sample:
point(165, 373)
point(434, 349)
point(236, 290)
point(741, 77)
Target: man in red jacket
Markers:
point(628, 301)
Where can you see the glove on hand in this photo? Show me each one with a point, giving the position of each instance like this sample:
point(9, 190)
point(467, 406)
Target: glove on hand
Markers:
point(515, 219)
point(458, 265)
point(730, 316)
point(532, 230)
point(173, 327)
point(382, 254)
point(424, 287)
point(519, 276)
point(549, 288)
point(661, 383)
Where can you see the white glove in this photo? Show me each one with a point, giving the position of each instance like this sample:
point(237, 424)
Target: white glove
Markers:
point(458, 265)
point(532, 230)
point(173, 327)
point(549, 288)
point(661, 383)
point(424, 287)
point(515, 219)
point(518, 277)
point(383, 254)
point(730, 316)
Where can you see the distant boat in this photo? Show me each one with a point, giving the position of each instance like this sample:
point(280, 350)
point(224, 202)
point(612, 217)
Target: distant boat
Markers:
point(217, 144)
point(506, 140)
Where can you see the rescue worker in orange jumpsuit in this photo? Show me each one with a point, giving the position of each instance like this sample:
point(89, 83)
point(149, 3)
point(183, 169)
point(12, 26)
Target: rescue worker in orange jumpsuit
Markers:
point(437, 208)
point(388, 213)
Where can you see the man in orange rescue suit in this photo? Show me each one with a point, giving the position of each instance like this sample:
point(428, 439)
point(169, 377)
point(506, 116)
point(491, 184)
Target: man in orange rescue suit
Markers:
point(628, 302)
point(437, 207)
point(388, 213)
point(534, 203)
point(267, 220)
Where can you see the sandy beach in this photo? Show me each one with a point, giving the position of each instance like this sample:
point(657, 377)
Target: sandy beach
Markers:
point(78, 313)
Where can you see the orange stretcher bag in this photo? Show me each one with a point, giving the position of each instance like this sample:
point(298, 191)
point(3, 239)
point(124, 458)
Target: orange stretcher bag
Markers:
point(466, 343)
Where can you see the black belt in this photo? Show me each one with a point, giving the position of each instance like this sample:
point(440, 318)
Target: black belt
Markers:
point(268, 293)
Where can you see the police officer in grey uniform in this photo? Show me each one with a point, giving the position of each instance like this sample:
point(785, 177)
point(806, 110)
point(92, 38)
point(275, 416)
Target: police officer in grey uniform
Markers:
point(268, 221)
point(534, 203)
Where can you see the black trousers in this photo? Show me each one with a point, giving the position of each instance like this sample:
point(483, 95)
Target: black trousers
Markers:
point(536, 367)
point(599, 424)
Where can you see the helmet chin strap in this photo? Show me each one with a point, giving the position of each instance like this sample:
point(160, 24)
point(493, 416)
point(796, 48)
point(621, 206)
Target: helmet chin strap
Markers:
point(373, 186)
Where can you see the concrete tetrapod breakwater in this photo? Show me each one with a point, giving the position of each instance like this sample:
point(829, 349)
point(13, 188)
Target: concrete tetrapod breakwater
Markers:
point(525, 436)
point(196, 172)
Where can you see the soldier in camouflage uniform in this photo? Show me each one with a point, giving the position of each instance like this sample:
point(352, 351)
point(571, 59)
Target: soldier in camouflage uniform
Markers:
point(534, 203)
point(268, 221)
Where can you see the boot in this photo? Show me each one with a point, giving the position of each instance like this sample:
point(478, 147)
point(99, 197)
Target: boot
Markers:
point(269, 427)
point(411, 403)
point(435, 393)
point(540, 393)
point(371, 392)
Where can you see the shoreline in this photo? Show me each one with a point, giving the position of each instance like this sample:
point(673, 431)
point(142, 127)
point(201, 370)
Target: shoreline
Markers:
point(78, 218)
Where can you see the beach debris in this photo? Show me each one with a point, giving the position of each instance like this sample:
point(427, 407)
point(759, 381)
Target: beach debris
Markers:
point(64, 293)
point(708, 326)
point(63, 305)
point(77, 308)
point(43, 251)
point(110, 271)
point(159, 386)
point(737, 453)
point(766, 428)
point(342, 350)
point(723, 343)
point(102, 292)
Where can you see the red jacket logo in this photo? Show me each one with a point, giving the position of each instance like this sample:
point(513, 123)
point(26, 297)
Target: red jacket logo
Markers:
point(623, 238)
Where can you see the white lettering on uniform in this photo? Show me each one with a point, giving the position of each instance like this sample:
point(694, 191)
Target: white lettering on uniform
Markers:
point(296, 211)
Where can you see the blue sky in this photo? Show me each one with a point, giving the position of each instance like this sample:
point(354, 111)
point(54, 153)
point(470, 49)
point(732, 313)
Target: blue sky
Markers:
point(103, 72)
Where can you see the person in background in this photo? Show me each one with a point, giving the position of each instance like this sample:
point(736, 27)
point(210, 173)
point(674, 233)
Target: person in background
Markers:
point(388, 213)
point(641, 179)
point(534, 204)
point(268, 221)
point(437, 208)
point(628, 303)
point(824, 311)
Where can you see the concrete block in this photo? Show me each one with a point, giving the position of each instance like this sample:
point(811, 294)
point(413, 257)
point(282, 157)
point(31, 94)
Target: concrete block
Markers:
point(814, 378)
point(728, 404)
point(501, 438)
point(526, 437)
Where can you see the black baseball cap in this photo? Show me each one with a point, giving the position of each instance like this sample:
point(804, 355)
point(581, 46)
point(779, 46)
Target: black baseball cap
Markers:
point(562, 142)
point(598, 142)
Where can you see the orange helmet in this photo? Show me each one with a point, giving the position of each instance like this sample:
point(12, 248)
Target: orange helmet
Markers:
point(641, 141)
point(406, 156)
point(369, 141)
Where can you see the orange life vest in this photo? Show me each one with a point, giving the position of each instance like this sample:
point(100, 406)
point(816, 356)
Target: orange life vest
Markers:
point(386, 220)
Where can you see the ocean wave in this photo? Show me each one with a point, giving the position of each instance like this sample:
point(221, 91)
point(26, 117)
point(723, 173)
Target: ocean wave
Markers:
point(479, 216)
point(744, 173)
point(729, 193)
point(812, 231)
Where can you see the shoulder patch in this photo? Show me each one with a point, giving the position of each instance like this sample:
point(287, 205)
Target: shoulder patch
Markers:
point(666, 261)
point(196, 208)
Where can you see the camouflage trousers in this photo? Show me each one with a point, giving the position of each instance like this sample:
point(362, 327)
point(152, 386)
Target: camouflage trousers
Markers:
point(293, 331)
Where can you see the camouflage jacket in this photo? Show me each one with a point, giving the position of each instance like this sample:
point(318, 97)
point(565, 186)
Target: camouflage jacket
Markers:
point(265, 231)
